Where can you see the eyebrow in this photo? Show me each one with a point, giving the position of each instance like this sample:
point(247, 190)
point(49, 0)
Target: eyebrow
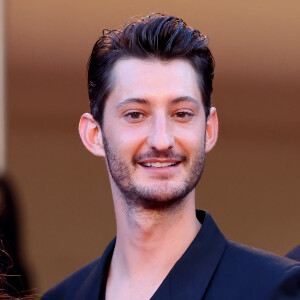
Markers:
point(132, 100)
point(144, 101)
point(186, 99)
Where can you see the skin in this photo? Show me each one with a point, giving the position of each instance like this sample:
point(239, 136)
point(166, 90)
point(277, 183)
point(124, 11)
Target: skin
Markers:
point(154, 114)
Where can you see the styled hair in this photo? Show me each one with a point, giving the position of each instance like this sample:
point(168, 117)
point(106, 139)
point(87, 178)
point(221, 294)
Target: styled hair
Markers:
point(156, 36)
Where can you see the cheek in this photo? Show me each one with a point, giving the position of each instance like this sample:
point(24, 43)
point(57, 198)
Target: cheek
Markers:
point(191, 140)
point(128, 140)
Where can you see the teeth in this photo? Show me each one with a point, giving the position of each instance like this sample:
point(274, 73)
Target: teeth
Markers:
point(159, 165)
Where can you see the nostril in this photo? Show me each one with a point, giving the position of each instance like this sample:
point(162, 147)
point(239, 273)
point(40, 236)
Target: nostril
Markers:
point(161, 141)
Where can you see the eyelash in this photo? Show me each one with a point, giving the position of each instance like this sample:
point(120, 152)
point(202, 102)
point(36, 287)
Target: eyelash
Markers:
point(130, 114)
point(138, 116)
point(186, 113)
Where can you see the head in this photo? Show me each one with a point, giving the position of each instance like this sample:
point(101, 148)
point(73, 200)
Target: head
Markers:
point(150, 93)
point(156, 36)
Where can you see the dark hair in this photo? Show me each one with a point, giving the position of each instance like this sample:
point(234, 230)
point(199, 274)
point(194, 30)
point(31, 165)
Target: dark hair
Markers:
point(155, 36)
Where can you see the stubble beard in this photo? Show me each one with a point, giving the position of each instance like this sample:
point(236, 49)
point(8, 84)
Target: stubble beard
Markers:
point(152, 199)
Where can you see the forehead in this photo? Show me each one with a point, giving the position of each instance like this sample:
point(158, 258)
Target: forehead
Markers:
point(154, 79)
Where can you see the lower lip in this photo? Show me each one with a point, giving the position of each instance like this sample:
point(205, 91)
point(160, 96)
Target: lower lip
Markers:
point(163, 170)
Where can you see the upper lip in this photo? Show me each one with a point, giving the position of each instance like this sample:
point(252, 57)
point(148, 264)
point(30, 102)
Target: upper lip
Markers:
point(154, 160)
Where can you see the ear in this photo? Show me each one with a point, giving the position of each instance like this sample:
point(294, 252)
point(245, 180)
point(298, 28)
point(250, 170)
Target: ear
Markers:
point(212, 126)
point(91, 134)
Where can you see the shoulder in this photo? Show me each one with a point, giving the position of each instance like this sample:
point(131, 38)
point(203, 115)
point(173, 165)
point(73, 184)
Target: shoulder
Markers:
point(257, 270)
point(86, 282)
point(72, 283)
point(257, 257)
point(294, 253)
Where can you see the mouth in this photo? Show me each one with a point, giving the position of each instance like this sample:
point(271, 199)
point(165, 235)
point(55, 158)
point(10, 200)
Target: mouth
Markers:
point(157, 164)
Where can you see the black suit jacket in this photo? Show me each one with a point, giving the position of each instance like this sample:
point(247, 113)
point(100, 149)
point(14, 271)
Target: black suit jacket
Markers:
point(294, 253)
point(211, 268)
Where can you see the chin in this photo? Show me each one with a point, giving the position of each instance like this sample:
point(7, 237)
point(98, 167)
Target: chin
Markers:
point(159, 204)
point(157, 198)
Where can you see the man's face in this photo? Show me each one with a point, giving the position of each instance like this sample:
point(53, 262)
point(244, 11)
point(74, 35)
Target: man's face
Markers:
point(154, 131)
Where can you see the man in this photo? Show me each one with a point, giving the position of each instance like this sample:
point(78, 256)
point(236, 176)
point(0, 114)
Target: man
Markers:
point(151, 119)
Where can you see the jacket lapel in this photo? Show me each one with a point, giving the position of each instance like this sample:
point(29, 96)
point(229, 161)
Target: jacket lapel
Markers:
point(192, 273)
point(97, 277)
point(188, 279)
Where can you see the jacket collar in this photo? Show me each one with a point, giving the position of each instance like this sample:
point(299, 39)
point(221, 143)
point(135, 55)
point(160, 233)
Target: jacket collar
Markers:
point(189, 277)
point(96, 279)
point(192, 273)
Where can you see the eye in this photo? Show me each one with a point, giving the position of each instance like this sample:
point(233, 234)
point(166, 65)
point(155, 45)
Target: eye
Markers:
point(183, 115)
point(134, 116)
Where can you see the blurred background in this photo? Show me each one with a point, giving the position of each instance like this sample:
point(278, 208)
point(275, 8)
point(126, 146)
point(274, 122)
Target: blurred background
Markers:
point(251, 182)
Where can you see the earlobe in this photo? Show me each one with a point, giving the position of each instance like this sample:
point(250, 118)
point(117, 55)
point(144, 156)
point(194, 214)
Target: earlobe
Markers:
point(212, 127)
point(91, 135)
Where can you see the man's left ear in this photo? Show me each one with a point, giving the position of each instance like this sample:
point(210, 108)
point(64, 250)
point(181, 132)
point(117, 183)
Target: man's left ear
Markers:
point(212, 126)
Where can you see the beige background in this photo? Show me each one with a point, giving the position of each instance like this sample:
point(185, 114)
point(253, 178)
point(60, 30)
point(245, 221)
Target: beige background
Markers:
point(252, 177)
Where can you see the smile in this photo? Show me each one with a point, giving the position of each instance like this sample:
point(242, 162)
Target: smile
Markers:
point(159, 164)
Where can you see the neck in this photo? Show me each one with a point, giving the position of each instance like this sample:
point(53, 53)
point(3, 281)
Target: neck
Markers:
point(147, 238)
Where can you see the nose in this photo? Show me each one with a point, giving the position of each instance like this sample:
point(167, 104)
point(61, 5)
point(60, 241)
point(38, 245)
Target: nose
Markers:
point(160, 136)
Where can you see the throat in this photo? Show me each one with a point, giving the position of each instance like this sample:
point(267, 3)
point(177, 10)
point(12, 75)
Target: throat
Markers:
point(143, 259)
